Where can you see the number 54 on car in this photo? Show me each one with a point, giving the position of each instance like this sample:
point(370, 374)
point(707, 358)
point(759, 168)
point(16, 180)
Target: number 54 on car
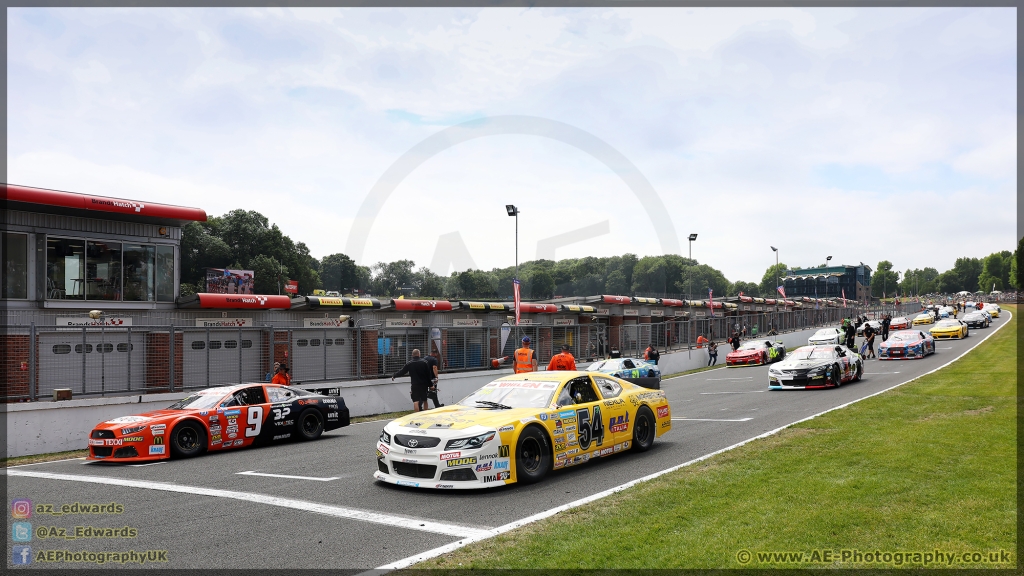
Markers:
point(519, 428)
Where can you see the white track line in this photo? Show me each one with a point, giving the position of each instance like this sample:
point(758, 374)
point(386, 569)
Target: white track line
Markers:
point(710, 420)
point(336, 511)
point(717, 379)
point(254, 473)
point(743, 392)
point(406, 562)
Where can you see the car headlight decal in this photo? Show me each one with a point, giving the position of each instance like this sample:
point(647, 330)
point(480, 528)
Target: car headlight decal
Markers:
point(470, 443)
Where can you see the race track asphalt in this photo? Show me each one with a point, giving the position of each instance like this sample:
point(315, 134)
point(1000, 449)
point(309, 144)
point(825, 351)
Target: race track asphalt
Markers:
point(255, 521)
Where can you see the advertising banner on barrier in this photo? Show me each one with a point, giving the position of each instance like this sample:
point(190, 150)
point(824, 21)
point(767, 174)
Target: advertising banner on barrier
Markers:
point(224, 322)
point(467, 322)
point(403, 323)
point(325, 322)
point(565, 321)
point(86, 321)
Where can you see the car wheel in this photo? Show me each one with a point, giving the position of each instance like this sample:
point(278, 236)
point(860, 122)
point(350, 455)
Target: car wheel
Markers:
point(533, 456)
point(860, 372)
point(188, 439)
point(837, 375)
point(643, 429)
point(310, 425)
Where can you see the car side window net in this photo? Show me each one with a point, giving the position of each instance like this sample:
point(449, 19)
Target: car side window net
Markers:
point(584, 389)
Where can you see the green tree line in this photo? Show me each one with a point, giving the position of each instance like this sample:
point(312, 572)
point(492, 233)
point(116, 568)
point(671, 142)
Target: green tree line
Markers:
point(247, 240)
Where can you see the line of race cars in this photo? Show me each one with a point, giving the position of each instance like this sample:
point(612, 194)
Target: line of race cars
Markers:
point(514, 429)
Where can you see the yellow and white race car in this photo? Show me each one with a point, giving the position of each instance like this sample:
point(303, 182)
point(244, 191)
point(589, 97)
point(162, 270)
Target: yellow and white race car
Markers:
point(949, 328)
point(992, 309)
point(924, 318)
point(519, 428)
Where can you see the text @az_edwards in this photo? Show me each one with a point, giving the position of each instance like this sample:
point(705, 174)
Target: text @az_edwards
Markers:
point(855, 556)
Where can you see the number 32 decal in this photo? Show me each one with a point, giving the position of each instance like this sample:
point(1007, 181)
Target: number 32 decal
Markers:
point(254, 419)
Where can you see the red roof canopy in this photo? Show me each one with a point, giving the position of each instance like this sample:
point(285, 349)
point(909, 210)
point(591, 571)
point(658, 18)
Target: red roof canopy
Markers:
point(44, 200)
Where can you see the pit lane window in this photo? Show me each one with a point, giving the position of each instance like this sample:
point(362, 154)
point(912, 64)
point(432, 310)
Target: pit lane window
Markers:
point(609, 388)
point(277, 394)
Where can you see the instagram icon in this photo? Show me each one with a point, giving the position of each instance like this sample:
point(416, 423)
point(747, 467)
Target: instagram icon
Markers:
point(21, 508)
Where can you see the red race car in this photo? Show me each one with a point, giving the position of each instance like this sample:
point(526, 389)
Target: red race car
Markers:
point(217, 419)
point(756, 352)
point(899, 323)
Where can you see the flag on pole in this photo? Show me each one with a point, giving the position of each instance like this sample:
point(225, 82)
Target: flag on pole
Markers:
point(711, 302)
point(515, 297)
point(781, 291)
point(844, 297)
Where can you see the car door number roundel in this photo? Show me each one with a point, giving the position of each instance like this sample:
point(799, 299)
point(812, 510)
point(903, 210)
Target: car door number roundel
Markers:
point(590, 431)
point(254, 419)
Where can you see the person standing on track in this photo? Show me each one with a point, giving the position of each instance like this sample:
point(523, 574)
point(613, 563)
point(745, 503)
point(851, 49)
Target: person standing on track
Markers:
point(869, 340)
point(421, 376)
point(563, 360)
point(433, 362)
point(886, 320)
point(282, 376)
point(525, 359)
point(712, 353)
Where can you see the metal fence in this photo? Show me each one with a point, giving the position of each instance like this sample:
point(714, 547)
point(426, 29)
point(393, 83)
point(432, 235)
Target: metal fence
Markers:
point(93, 361)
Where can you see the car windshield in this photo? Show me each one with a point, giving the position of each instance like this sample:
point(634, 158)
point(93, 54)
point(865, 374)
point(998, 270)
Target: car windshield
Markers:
point(811, 353)
point(198, 401)
point(825, 332)
point(752, 346)
point(605, 365)
point(948, 324)
point(515, 394)
point(905, 336)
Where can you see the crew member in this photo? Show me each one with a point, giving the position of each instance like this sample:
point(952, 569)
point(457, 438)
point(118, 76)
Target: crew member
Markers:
point(563, 360)
point(525, 359)
point(432, 360)
point(421, 376)
point(701, 341)
point(652, 355)
point(282, 376)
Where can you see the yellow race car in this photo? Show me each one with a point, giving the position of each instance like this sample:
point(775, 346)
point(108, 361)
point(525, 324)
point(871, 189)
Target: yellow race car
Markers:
point(949, 328)
point(519, 428)
point(992, 310)
point(924, 318)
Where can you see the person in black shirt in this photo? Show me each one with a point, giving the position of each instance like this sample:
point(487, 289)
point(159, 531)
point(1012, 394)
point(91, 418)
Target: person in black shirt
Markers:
point(885, 326)
point(432, 360)
point(869, 339)
point(421, 375)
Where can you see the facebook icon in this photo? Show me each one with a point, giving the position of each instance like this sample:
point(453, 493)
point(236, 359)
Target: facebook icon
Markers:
point(21, 555)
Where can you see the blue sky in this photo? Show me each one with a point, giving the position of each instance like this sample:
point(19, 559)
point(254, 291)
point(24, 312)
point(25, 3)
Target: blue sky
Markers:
point(820, 131)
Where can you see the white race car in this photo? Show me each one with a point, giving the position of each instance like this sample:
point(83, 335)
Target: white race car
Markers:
point(826, 336)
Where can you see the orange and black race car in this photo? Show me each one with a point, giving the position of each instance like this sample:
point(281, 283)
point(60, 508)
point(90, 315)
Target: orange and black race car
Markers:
point(223, 418)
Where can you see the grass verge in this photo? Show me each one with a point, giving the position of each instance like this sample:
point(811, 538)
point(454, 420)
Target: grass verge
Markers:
point(929, 466)
point(19, 460)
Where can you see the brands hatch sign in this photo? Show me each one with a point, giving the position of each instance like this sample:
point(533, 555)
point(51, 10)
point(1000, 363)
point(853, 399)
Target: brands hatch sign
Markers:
point(86, 321)
point(224, 322)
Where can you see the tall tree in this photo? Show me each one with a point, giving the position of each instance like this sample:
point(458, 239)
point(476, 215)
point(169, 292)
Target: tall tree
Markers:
point(769, 280)
point(339, 272)
point(884, 280)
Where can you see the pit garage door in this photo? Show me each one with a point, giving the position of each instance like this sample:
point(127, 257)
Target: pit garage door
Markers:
point(221, 357)
point(91, 361)
point(322, 354)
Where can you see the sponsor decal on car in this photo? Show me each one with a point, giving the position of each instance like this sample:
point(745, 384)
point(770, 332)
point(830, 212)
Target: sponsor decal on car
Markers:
point(444, 486)
point(450, 455)
point(284, 423)
point(606, 451)
point(113, 442)
point(231, 429)
point(618, 423)
point(497, 477)
point(132, 430)
point(406, 483)
point(560, 447)
point(662, 412)
point(543, 417)
point(215, 429)
point(158, 429)
point(559, 463)
point(501, 464)
point(503, 451)
point(614, 402)
point(567, 414)
point(154, 450)
point(214, 418)
point(379, 454)
point(485, 467)
point(506, 429)
point(215, 438)
point(238, 442)
point(232, 435)
point(304, 401)
point(571, 451)
point(461, 461)
point(382, 448)
point(158, 439)
point(666, 423)
point(571, 436)
point(332, 415)
point(95, 442)
point(230, 413)
point(226, 444)
point(559, 439)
